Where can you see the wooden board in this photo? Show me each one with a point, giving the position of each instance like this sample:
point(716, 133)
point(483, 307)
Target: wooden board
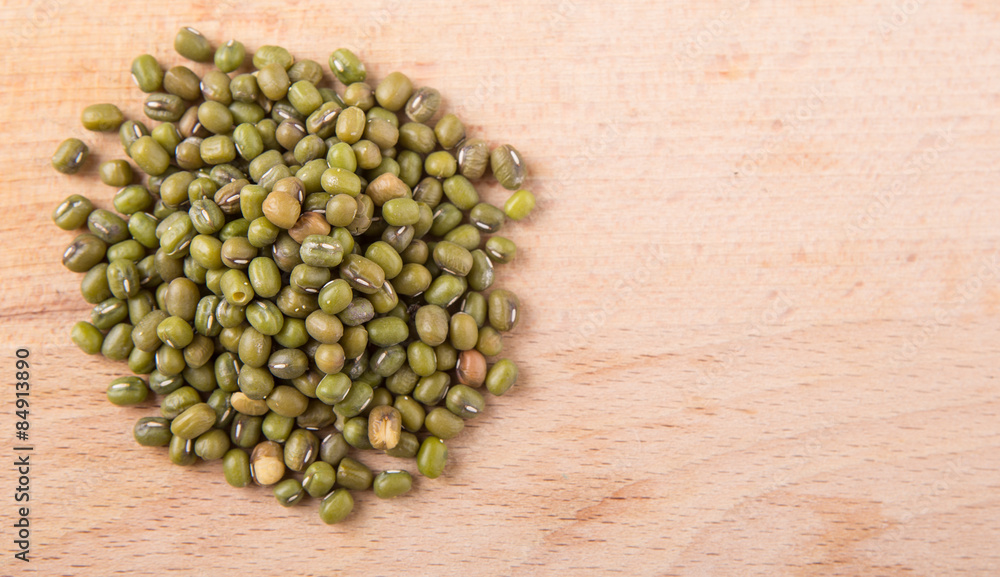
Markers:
point(761, 299)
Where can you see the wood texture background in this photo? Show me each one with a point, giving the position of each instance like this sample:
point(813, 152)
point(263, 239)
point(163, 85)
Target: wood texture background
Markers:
point(762, 294)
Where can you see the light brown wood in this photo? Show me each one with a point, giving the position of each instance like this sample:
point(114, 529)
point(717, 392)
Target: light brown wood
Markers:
point(761, 299)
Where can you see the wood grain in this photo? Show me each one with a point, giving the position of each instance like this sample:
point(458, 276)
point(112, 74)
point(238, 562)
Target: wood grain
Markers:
point(762, 308)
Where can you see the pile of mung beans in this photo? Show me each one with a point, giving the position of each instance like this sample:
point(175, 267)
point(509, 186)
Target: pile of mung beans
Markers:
point(299, 273)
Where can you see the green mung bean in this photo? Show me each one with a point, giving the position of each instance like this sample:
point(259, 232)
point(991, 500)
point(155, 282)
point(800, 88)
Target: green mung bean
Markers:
point(381, 132)
point(108, 313)
point(289, 492)
point(464, 401)
point(347, 67)
point(132, 199)
point(432, 457)
point(221, 401)
point(449, 131)
point(84, 252)
point(356, 401)
point(304, 96)
point(336, 506)
point(236, 467)
point(423, 103)
point(102, 117)
point(146, 73)
point(508, 166)
point(250, 113)
point(72, 213)
point(440, 164)
point(169, 360)
point(115, 172)
point(218, 149)
point(94, 286)
point(319, 479)
point(503, 309)
point(149, 156)
point(277, 427)
point(245, 431)
point(141, 362)
point(334, 388)
point(301, 449)
point(353, 474)
point(431, 390)
point(152, 432)
point(212, 445)
point(123, 278)
point(183, 82)
point(181, 451)
point(215, 117)
point(126, 391)
point(486, 217)
point(192, 45)
point(317, 415)
point(360, 95)
point(230, 56)
point(389, 484)
point(130, 131)
point(194, 421)
point(460, 192)
point(70, 156)
point(350, 125)
point(443, 424)
point(490, 341)
point(270, 54)
point(473, 156)
point(178, 401)
point(445, 290)
point(519, 205)
point(482, 274)
point(168, 137)
point(272, 79)
point(164, 107)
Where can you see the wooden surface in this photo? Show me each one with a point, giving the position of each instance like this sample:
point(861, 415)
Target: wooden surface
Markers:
point(761, 299)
